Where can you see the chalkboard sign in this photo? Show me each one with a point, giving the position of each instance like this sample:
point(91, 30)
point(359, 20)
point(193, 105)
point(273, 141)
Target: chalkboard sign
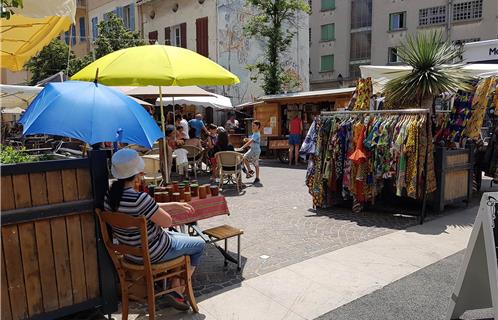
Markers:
point(477, 283)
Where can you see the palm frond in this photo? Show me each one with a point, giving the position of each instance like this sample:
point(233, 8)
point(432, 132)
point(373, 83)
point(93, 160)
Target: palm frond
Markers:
point(433, 71)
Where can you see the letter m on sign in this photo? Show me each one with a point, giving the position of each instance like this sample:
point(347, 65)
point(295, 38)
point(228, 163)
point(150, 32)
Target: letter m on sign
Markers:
point(493, 51)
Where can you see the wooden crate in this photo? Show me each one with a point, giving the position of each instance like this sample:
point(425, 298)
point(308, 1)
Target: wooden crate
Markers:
point(454, 173)
point(49, 261)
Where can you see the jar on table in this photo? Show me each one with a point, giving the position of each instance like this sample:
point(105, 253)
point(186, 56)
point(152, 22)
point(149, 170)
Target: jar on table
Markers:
point(194, 189)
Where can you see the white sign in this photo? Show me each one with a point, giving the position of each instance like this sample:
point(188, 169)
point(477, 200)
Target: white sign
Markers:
point(267, 130)
point(480, 51)
point(477, 284)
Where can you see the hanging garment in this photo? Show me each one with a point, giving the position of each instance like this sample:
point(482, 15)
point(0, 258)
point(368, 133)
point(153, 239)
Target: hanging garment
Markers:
point(364, 91)
point(484, 91)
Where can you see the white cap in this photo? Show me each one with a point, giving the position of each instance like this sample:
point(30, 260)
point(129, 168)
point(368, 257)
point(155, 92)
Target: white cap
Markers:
point(126, 163)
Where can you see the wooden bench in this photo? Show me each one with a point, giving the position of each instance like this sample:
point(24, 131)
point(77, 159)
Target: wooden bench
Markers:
point(225, 232)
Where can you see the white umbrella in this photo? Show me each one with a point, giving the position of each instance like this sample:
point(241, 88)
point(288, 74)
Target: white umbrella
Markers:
point(17, 96)
point(216, 101)
point(15, 110)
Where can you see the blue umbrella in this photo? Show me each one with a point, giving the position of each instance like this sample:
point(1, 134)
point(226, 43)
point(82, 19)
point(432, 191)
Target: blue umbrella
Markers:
point(89, 112)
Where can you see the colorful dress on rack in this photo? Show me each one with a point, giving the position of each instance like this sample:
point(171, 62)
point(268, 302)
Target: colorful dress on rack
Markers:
point(364, 90)
point(484, 91)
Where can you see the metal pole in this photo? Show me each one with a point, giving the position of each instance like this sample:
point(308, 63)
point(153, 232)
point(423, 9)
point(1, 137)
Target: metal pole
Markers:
point(398, 111)
point(165, 142)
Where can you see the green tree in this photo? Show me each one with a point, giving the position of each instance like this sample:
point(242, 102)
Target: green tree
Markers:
point(51, 59)
point(434, 70)
point(272, 23)
point(7, 6)
point(113, 36)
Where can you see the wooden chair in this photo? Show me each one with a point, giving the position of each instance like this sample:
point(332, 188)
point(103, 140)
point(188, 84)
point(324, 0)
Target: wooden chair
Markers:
point(230, 167)
point(132, 276)
point(194, 157)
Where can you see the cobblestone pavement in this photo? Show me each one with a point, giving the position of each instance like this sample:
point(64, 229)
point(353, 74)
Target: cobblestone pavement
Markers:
point(281, 229)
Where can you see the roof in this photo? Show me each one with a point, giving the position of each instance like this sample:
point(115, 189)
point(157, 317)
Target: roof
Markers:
point(248, 104)
point(169, 91)
point(307, 94)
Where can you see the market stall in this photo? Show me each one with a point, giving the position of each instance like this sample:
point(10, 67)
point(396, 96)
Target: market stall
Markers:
point(274, 112)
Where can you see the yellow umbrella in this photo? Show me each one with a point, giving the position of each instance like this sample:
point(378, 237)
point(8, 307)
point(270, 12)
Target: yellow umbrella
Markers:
point(23, 37)
point(157, 65)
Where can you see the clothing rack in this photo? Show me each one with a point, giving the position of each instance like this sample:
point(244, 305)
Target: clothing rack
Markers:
point(389, 111)
point(396, 112)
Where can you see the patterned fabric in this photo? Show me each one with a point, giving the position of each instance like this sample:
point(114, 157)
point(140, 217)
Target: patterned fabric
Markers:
point(484, 90)
point(364, 91)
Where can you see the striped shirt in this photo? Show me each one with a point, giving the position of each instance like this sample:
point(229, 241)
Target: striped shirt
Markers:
point(140, 204)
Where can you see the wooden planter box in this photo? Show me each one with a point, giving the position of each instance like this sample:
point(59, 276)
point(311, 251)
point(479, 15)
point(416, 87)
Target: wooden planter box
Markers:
point(454, 173)
point(53, 262)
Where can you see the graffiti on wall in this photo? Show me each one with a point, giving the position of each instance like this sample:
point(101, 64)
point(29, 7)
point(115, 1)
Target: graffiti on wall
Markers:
point(236, 51)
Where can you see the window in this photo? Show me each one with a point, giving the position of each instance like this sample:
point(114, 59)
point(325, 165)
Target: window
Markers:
point(73, 34)
point(95, 30)
point(393, 55)
point(82, 29)
point(328, 5)
point(397, 21)
point(430, 16)
point(177, 39)
point(309, 36)
point(128, 16)
point(327, 63)
point(361, 43)
point(152, 37)
point(469, 10)
point(361, 14)
point(328, 33)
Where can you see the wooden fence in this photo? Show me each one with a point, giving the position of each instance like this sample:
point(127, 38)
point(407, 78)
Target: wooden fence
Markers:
point(50, 241)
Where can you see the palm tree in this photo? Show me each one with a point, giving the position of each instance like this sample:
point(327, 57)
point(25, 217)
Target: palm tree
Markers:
point(434, 71)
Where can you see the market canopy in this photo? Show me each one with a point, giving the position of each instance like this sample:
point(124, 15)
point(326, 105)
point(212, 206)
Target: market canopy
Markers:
point(216, 101)
point(171, 91)
point(31, 28)
point(382, 74)
point(17, 96)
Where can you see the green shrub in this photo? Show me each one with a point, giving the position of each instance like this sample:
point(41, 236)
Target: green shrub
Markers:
point(9, 155)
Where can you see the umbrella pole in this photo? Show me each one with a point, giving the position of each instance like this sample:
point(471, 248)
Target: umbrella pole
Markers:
point(165, 142)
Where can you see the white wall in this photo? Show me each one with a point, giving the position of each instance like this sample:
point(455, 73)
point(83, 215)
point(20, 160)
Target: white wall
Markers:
point(236, 50)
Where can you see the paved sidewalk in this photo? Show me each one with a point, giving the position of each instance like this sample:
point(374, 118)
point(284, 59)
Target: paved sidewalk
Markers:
point(310, 288)
point(422, 295)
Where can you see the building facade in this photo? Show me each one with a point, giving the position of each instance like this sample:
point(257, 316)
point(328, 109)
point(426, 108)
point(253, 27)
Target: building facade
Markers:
point(348, 33)
point(215, 30)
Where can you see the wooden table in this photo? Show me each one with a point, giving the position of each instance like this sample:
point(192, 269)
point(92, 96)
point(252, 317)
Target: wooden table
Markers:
point(204, 209)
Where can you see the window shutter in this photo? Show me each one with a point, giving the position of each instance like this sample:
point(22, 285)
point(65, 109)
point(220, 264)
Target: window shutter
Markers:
point(183, 35)
point(132, 16)
point(82, 29)
point(152, 37)
point(201, 28)
point(95, 29)
point(119, 12)
point(73, 34)
point(167, 36)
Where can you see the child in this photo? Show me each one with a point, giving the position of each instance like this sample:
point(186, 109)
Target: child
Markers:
point(253, 154)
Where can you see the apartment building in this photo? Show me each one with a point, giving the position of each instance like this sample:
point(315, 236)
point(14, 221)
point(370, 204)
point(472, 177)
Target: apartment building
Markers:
point(345, 34)
point(77, 35)
point(99, 10)
point(215, 30)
